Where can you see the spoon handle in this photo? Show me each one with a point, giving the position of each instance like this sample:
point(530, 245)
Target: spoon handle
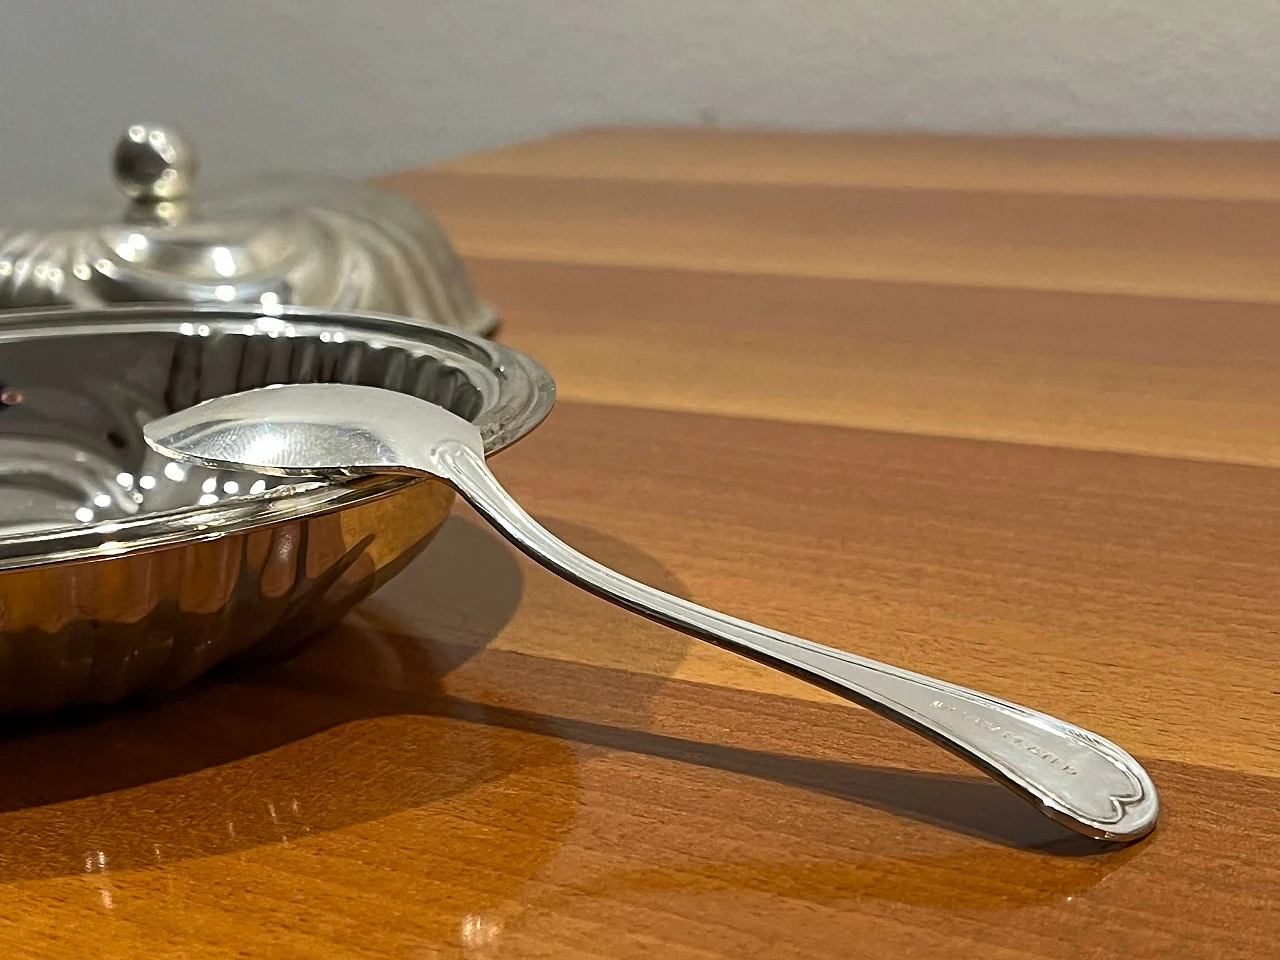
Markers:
point(1076, 777)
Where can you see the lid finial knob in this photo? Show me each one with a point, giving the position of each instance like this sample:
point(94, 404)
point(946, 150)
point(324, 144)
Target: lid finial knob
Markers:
point(153, 163)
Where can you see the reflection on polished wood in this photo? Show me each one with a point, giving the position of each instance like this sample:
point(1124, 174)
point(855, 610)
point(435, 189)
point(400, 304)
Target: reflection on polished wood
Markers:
point(1063, 498)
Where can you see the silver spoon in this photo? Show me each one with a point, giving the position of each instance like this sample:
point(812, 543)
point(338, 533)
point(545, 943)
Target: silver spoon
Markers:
point(1074, 776)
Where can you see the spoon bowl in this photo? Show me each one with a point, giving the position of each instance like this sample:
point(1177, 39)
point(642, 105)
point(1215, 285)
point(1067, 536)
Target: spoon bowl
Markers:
point(311, 430)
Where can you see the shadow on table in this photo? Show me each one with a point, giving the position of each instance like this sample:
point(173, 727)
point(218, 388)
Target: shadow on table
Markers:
point(360, 726)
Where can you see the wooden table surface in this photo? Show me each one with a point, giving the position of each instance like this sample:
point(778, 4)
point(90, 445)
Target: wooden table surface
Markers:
point(1004, 411)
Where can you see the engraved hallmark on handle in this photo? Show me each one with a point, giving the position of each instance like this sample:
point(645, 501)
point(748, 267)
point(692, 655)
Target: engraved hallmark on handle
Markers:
point(1015, 738)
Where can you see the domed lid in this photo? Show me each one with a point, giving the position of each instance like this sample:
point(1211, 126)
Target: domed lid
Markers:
point(279, 239)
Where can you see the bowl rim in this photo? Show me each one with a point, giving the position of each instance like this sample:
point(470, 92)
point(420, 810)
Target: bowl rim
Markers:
point(518, 397)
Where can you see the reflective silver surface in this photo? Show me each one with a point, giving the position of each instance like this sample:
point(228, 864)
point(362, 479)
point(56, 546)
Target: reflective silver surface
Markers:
point(153, 163)
point(1074, 776)
point(121, 569)
point(279, 239)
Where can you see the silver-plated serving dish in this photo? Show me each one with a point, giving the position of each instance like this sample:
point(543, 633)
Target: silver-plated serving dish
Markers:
point(275, 239)
point(121, 570)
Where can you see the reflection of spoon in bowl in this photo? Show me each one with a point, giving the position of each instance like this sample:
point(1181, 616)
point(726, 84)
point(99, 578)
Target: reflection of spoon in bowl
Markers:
point(1074, 776)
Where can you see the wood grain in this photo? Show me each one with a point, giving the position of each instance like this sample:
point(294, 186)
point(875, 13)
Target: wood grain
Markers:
point(1103, 166)
point(530, 807)
point(1143, 246)
point(1149, 375)
point(1004, 411)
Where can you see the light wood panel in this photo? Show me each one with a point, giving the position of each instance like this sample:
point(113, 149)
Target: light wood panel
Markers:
point(1199, 249)
point(1104, 166)
point(1150, 375)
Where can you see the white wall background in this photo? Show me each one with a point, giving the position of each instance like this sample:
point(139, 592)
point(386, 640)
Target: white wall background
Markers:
point(360, 86)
